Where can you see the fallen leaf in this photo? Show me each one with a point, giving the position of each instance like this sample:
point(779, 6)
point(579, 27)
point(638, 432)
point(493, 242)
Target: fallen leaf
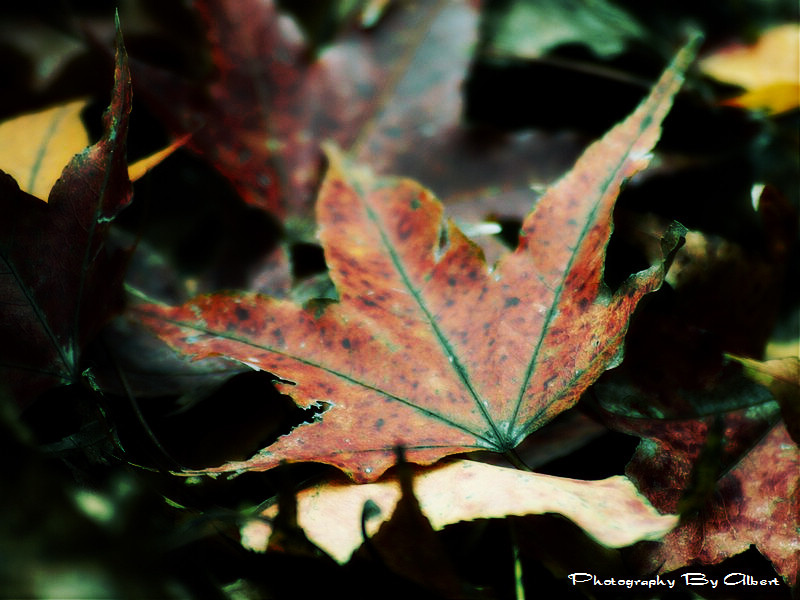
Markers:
point(141, 167)
point(60, 282)
point(727, 476)
point(781, 377)
point(254, 123)
point(610, 510)
point(407, 543)
point(428, 348)
point(391, 94)
point(768, 70)
point(531, 29)
point(662, 466)
point(756, 502)
point(37, 146)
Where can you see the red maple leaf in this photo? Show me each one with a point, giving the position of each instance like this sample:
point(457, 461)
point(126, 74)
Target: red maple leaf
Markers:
point(428, 347)
point(261, 120)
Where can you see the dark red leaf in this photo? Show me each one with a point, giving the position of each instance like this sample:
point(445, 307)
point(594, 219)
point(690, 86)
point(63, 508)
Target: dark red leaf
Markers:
point(58, 280)
point(762, 486)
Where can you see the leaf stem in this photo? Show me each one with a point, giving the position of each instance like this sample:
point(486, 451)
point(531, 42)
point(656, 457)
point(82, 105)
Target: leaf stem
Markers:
point(514, 458)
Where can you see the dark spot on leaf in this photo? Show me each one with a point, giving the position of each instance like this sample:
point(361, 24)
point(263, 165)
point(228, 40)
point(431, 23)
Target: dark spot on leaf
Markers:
point(379, 423)
point(451, 281)
point(366, 302)
point(513, 301)
point(415, 203)
point(346, 343)
point(404, 229)
point(242, 313)
point(583, 303)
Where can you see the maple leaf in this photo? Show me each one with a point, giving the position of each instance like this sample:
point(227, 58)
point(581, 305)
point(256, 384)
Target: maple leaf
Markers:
point(428, 348)
point(58, 281)
point(726, 474)
point(262, 120)
point(254, 124)
point(761, 486)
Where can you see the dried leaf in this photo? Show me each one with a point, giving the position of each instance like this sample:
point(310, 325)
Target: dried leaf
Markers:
point(611, 511)
point(35, 147)
point(428, 348)
point(769, 70)
point(756, 502)
point(58, 281)
point(391, 94)
point(782, 377)
point(142, 166)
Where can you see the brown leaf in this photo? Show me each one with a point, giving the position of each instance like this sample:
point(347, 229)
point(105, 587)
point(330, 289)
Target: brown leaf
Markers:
point(428, 348)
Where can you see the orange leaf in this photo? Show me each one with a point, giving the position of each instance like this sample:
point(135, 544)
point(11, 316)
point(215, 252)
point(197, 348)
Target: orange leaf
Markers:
point(142, 166)
point(428, 347)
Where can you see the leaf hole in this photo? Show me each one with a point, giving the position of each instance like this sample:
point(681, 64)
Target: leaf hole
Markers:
point(307, 260)
point(509, 231)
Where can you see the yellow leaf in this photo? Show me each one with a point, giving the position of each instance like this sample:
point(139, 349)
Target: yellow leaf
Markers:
point(143, 165)
point(768, 70)
point(611, 511)
point(35, 148)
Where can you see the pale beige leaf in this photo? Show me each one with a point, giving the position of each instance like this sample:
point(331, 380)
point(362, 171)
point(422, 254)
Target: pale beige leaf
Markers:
point(611, 510)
